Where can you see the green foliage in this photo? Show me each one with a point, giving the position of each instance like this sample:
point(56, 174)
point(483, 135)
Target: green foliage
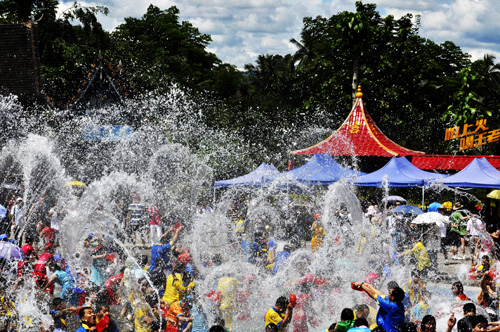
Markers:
point(411, 85)
point(466, 102)
point(157, 50)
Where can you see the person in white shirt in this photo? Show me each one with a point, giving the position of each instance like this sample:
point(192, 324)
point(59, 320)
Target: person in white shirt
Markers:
point(442, 228)
point(475, 227)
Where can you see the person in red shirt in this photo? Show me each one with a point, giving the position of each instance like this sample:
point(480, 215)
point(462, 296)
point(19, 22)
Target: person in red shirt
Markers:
point(49, 234)
point(458, 291)
point(40, 272)
point(111, 292)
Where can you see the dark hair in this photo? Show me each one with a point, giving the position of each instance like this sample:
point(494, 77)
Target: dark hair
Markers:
point(151, 298)
point(347, 314)
point(332, 327)
point(398, 294)
point(459, 286)
point(282, 301)
point(469, 307)
point(189, 301)
point(100, 305)
point(81, 312)
point(409, 327)
point(361, 307)
point(217, 259)
point(54, 266)
point(143, 260)
point(476, 320)
point(122, 270)
point(392, 284)
point(216, 328)
point(427, 319)
point(57, 301)
point(219, 321)
point(486, 257)
point(378, 329)
point(272, 326)
point(415, 273)
point(360, 322)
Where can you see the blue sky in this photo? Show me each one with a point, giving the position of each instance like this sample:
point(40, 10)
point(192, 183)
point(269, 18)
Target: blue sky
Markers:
point(243, 29)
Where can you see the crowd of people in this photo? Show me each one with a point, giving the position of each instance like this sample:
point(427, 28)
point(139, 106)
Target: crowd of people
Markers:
point(157, 288)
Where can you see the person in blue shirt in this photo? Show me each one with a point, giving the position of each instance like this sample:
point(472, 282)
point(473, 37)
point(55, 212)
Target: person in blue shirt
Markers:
point(281, 257)
point(67, 284)
point(407, 304)
point(59, 313)
point(391, 314)
point(160, 250)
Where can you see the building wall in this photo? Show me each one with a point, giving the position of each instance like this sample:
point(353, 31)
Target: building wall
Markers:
point(19, 61)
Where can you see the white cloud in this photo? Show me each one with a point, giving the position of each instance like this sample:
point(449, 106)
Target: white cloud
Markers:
point(243, 29)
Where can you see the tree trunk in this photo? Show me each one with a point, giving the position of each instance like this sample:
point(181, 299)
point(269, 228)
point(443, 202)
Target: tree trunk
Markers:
point(355, 79)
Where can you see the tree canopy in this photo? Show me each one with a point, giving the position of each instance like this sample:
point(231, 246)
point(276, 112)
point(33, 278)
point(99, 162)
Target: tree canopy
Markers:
point(413, 87)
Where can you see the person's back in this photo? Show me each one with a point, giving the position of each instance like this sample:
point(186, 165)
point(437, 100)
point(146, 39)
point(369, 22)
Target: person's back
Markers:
point(174, 311)
point(281, 257)
point(464, 324)
point(137, 213)
point(200, 320)
point(346, 320)
point(360, 325)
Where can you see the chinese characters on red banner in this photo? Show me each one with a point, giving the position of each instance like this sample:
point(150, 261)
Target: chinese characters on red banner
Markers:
point(472, 136)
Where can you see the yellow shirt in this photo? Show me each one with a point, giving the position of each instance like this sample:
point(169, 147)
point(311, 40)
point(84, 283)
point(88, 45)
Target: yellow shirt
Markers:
point(174, 289)
point(273, 316)
point(140, 312)
point(415, 292)
point(227, 287)
point(421, 256)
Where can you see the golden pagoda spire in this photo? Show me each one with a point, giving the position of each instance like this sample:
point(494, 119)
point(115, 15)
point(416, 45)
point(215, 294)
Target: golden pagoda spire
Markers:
point(359, 94)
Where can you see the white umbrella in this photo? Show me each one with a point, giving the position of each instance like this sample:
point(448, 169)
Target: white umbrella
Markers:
point(429, 218)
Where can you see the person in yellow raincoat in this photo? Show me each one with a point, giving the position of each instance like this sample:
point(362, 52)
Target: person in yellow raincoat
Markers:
point(318, 233)
point(175, 288)
point(228, 286)
point(420, 253)
point(145, 313)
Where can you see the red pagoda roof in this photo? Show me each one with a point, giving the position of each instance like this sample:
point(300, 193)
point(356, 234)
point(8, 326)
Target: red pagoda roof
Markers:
point(358, 136)
point(450, 162)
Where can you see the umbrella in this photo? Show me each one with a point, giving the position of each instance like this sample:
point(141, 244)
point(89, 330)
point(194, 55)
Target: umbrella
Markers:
point(10, 251)
point(393, 199)
point(75, 184)
point(408, 209)
point(428, 218)
point(433, 207)
point(448, 205)
point(495, 194)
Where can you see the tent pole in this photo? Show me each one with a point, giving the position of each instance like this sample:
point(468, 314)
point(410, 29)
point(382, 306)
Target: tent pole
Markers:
point(423, 198)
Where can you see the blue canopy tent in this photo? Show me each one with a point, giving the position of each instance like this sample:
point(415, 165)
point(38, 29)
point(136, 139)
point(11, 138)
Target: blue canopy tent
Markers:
point(321, 169)
point(478, 174)
point(398, 172)
point(489, 168)
point(253, 179)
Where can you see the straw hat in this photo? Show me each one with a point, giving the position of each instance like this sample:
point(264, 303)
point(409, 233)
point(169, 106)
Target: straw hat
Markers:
point(457, 206)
